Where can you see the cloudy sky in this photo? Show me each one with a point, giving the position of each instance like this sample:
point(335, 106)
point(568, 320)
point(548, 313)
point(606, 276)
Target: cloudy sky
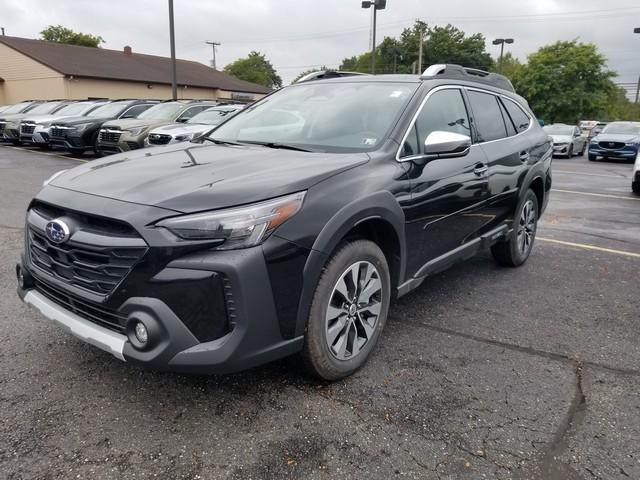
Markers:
point(299, 34)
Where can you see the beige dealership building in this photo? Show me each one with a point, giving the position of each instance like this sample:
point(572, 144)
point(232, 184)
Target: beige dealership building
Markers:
point(35, 69)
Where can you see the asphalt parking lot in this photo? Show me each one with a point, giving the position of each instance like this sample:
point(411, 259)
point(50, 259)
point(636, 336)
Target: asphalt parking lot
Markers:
point(483, 372)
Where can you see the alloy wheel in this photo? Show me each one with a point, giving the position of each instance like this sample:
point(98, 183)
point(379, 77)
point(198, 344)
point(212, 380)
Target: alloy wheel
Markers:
point(352, 314)
point(526, 227)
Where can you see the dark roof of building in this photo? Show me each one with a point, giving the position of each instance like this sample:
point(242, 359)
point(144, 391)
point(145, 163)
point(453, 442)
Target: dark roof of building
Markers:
point(116, 65)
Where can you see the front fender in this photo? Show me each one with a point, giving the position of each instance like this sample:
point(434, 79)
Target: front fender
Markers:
point(380, 205)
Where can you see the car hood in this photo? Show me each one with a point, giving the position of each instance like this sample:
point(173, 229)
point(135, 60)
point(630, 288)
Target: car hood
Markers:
point(45, 118)
point(128, 123)
point(616, 137)
point(13, 117)
point(79, 120)
point(195, 177)
point(561, 138)
point(182, 128)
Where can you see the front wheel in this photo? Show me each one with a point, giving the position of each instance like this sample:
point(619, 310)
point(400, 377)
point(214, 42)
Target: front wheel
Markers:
point(592, 158)
point(570, 151)
point(635, 187)
point(348, 311)
point(514, 251)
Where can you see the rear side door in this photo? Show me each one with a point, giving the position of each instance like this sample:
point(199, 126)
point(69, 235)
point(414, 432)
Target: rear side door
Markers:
point(446, 193)
point(507, 149)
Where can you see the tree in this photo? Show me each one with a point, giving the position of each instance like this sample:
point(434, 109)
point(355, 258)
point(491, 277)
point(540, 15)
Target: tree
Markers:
point(255, 68)
point(307, 72)
point(509, 66)
point(566, 82)
point(60, 34)
point(441, 45)
point(619, 107)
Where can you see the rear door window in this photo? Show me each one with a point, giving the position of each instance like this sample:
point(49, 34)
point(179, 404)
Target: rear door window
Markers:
point(487, 116)
point(520, 119)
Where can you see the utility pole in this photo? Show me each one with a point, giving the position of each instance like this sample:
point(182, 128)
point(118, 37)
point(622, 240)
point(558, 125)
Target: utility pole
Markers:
point(2, 31)
point(213, 46)
point(377, 5)
point(420, 40)
point(172, 40)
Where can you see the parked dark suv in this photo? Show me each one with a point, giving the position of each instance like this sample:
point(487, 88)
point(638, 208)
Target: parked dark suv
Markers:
point(290, 227)
point(77, 134)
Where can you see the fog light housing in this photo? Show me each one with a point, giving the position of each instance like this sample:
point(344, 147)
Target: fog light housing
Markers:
point(141, 333)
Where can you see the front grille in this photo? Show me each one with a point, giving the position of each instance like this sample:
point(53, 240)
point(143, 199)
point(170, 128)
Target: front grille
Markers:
point(611, 145)
point(58, 132)
point(159, 139)
point(27, 128)
point(97, 257)
point(109, 136)
point(97, 314)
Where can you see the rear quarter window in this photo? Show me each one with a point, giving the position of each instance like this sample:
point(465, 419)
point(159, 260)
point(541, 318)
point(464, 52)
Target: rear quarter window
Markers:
point(520, 119)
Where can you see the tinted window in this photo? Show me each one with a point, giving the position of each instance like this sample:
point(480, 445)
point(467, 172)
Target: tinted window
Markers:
point(190, 112)
point(133, 112)
point(511, 130)
point(444, 111)
point(487, 116)
point(520, 119)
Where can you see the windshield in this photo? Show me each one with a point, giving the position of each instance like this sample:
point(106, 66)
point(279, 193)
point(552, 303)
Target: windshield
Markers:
point(163, 111)
point(110, 110)
point(17, 108)
point(559, 129)
point(334, 117)
point(622, 128)
point(45, 108)
point(213, 116)
point(75, 109)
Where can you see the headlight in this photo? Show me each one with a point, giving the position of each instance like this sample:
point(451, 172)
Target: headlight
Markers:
point(52, 177)
point(182, 138)
point(136, 131)
point(239, 227)
point(82, 126)
point(631, 144)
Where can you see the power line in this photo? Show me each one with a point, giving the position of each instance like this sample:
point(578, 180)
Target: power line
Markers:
point(562, 16)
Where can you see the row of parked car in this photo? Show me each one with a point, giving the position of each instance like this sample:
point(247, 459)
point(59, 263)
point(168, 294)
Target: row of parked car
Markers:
point(109, 126)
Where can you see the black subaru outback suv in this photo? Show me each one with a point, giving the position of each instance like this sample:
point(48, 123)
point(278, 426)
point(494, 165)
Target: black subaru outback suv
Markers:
point(290, 227)
point(78, 134)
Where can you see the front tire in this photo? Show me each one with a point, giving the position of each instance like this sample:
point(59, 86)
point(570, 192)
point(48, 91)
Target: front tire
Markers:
point(348, 311)
point(593, 158)
point(570, 151)
point(635, 187)
point(514, 251)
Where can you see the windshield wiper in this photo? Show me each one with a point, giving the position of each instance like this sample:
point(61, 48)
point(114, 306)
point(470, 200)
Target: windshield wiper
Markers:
point(219, 142)
point(283, 146)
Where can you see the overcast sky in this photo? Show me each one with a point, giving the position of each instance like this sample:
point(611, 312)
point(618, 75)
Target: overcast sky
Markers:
point(299, 34)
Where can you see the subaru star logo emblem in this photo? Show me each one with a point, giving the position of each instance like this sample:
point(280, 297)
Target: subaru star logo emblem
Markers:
point(57, 231)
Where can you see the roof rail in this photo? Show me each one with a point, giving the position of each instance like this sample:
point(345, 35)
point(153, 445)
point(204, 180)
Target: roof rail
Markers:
point(459, 72)
point(322, 74)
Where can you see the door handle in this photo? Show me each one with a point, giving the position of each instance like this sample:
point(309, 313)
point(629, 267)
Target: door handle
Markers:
point(480, 169)
point(524, 156)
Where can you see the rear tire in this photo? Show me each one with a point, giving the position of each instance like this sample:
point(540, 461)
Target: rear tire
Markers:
point(348, 311)
point(514, 251)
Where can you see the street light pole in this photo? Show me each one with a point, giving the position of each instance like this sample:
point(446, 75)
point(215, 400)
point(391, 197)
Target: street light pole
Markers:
point(377, 5)
point(501, 42)
point(172, 40)
point(637, 30)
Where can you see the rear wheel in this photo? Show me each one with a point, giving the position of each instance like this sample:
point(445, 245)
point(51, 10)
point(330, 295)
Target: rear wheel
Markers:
point(348, 311)
point(514, 251)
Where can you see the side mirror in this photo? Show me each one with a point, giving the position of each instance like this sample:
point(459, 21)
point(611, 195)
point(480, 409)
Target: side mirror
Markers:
point(446, 144)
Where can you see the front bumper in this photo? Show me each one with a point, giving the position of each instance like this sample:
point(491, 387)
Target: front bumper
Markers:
point(126, 142)
point(253, 335)
point(560, 149)
point(626, 152)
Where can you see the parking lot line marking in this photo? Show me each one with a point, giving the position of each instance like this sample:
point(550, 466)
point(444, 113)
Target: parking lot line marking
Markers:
point(620, 197)
point(591, 174)
point(49, 154)
point(589, 247)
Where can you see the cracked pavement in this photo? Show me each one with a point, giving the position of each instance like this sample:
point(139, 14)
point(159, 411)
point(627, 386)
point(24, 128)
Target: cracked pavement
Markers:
point(483, 372)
